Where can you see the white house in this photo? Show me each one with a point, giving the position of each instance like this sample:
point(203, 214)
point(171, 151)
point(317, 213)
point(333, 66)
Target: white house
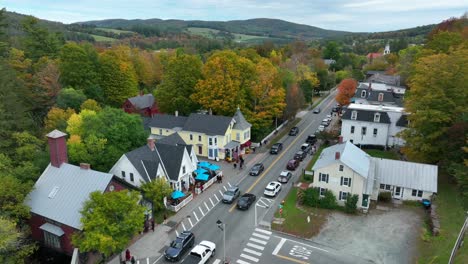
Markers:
point(373, 125)
point(346, 170)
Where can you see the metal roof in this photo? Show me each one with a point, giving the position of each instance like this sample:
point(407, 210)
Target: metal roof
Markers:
point(172, 157)
point(406, 174)
point(167, 121)
point(142, 101)
point(367, 116)
point(241, 122)
point(208, 124)
point(59, 193)
point(56, 134)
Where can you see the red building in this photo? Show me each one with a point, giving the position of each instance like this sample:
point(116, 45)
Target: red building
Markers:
point(59, 195)
point(143, 104)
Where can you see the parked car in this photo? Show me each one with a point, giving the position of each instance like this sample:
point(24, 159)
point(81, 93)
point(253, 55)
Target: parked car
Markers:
point(284, 176)
point(329, 117)
point(245, 201)
point(276, 148)
point(317, 110)
point(201, 253)
point(294, 131)
point(300, 155)
point(335, 109)
point(179, 246)
point(321, 128)
point(257, 169)
point(272, 189)
point(311, 139)
point(324, 123)
point(306, 147)
point(231, 194)
point(292, 164)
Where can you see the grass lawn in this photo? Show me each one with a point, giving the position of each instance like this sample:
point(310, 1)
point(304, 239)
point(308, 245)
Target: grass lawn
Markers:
point(452, 216)
point(311, 164)
point(382, 154)
point(102, 38)
point(118, 31)
point(296, 219)
point(211, 33)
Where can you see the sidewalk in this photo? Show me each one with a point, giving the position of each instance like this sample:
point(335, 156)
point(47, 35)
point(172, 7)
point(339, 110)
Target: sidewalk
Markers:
point(151, 245)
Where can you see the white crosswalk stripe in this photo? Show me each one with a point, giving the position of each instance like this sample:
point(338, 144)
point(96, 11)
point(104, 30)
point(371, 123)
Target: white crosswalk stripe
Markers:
point(258, 241)
point(255, 246)
point(242, 262)
point(261, 236)
point(252, 252)
point(249, 257)
point(216, 261)
point(263, 231)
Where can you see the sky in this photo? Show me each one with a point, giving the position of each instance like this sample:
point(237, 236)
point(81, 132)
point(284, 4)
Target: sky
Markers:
point(346, 15)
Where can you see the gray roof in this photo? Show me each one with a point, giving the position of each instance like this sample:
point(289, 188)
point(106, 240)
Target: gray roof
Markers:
point(410, 175)
point(59, 194)
point(172, 139)
point(145, 162)
point(241, 122)
point(329, 61)
point(402, 121)
point(167, 121)
point(374, 72)
point(208, 124)
point(367, 116)
point(142, 101)
point(56, 134)
point(384, 78)
point(171, 156)
point(350, 155)
point(373, 95)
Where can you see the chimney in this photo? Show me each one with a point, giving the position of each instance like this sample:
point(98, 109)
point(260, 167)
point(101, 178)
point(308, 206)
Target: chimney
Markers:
point(337, 155)
point(85, 166)
point(57, 148)
point(340, 139)
point(151, 143)
point(176, 113)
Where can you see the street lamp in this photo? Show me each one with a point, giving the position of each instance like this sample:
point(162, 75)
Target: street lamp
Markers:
point(222, 226)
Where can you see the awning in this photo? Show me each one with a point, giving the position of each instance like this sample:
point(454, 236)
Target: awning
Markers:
point(232, 144)
point(202, 177)
point(177, 194)
point(53, 229)
point(204, 164)
point(213, 167)
point(200, 171)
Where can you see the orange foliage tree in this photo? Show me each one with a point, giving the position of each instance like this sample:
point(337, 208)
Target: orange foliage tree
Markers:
point(346, 90)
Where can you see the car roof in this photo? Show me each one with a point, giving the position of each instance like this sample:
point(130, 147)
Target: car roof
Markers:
point(273, 183)
point(312, 136)
point(292, 161)
point(277, 144)
point(232, 188)
point(247, 195)
point(305, 144)
point(284, 173)
point(257, 164)
point(300, 152)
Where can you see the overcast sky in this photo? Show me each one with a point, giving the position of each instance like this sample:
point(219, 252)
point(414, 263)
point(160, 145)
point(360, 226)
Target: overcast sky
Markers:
point(348, 15)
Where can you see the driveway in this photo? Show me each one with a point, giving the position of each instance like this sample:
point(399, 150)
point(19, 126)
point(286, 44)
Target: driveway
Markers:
point(381, 236)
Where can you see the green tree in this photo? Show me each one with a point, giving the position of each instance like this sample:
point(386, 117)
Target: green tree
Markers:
point(443, 41)
point(57, 119)
point(155, 191)
point(332, 51)
point(405, 65)
point(110, 221)
point(179, 79)
point(341, 75)
point(70, 98)
point(12, 196)
point(307, 81)
point(39, 42)
point(15, 246)
point(3, 35)
point(351, 203)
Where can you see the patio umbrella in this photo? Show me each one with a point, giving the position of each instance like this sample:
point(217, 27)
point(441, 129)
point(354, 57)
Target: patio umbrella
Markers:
point(200, 171)
point(202, 177)
point(204, 164)
point(177, 194)
point(213, 167)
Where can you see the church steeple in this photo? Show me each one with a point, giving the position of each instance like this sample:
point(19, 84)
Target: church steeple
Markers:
point(387, 49)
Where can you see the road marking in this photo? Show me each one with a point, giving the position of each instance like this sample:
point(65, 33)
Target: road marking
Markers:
point(207, 208)
point(190, 221)
point(324, 250)
point(177, 233)
point(242, 262)
point(291, 259)
point(216, 261)
point(261, 236)
point(252, 252)
point(158, 259)
point(229, 184)
point(264, 204)
point(216, 197)
point(211, 201)
point(278, 247)
point(201, 211)
point(183, 226)
point(258, 241)
point(255, 246)
point(220, 192)
point(249, 257)
point(263, 231)
point(196, 216)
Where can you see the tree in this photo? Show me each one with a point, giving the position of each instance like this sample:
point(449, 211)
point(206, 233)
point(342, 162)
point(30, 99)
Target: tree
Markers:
point(442, 41)
point(57, 119)
point(341, 75)
point(294, 101)
point(39, 42)
point(90, 104)
point(15, 246)
point(331, 51)
point(12, 196)
point(407, 59)
point(110, 220)
point(155, 191)
point(3, 35)
point(70, 98)
point(307, 81)
point(346, 90)
point(179, 80)
point(351, 203)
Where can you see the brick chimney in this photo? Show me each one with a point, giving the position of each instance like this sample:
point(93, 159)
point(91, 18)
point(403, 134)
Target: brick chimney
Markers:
point(57, 148)
point(150, 142)
point(337, 155)
point(340, 139)
point(85, 166)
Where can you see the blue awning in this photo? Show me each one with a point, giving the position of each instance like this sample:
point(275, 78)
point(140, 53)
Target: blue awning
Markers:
point(200, 171)
point(204, 164)
point(177, 194)
point(213, 167)
point(202, 177)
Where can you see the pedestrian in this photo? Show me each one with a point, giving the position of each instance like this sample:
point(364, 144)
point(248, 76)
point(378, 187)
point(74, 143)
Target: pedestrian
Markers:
point(201, 188)
point(152, 224)
point(127, 255)
point(235, 165)
point(133, 260)
point(165, 218)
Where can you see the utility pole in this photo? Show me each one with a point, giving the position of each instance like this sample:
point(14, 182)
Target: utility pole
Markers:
point(459, 241)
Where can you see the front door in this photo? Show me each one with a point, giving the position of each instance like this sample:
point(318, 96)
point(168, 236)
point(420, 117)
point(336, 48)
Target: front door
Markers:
point(210, 153)
point(397, 192)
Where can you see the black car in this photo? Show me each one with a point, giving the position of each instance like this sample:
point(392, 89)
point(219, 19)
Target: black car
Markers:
point(317, 110)
point(277, 147)
point(246, 200)
point(256, 169)
point(300, 155)
point(294, 131)
point(179, 246)
point(311, 139)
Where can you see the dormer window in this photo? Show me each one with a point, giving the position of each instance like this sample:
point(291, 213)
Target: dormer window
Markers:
point(377, 117)
point(380, 98)
point(354, 115)
point(363, 94)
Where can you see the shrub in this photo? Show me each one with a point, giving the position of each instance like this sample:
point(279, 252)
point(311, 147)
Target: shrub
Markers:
point(300, 196)
point(328, 201)
point(385, 197)
point(351, 204)
point(311, 197)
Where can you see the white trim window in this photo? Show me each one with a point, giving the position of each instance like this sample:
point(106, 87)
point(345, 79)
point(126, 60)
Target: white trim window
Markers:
point(199, 138)
point(322, 191)
point(363, 130)
point(131, 177)
point(386, 187)
point(160, 131)
point(352, 129)
point(353, 115)
point(343, 196)
point(375, 132)
point(237, 136)
point(377, 117)
point(417, 193)
point(345, 181)
point(341, 168)
point(323, 177)
point(191, 137)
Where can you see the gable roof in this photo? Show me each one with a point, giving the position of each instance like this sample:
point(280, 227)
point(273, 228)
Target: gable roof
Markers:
point(402, 121)
point(167, 121)
point(171, 156)
point(385, 78)
point(406, 174)
point(145, 162)
point(208, 124)
point(367, 116)
point(350, 155)
point(374, 55)
point(241, 122)
point(142, 101)
point(172, 139)
point(59, 193)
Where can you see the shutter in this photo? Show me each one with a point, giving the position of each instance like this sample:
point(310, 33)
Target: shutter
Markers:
point(327, 178)
point(341, 182)
point(349, 182)
point(339, 198)
point(320, 176)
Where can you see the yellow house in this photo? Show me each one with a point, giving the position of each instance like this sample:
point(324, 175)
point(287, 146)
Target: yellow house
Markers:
point(215, 137)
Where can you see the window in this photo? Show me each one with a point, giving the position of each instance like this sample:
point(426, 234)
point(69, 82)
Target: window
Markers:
point(345, 181)
point(363, 93)
point(363, 130)
point(123, 174)
point(183, 169)
point(199, 138)
point(375, 132)
point(210, 141)
point(131, 177)
point(341, 167)
point(377, 117)
point(380, 98)
point(160, 131)
point(322, 191)
point(191, 137)
point(200, 150)
point(323, 177)
point(417, 193)
point(237, 136)
point(351, 141)
point(352, 129)
point(353, 115)
point(51, 240)
point(385, 187)
point(343, 196)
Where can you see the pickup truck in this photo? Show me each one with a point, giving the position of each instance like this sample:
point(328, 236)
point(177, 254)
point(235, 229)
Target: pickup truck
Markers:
point(201, 253)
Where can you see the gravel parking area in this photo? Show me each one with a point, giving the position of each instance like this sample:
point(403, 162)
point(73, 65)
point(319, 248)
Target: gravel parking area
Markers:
point(381, 236)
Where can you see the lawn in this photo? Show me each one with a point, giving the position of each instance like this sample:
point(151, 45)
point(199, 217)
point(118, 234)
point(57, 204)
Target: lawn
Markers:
point(295, 219)
point(102, 38)
point(452, 216)
point(382, 154)
point(211, 33)
point(118, 31)
point(311, 164)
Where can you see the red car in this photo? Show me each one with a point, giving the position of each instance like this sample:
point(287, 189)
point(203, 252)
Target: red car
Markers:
point(292, 164)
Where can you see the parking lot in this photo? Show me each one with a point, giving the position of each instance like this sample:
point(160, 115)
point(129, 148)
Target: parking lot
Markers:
point(381, 236)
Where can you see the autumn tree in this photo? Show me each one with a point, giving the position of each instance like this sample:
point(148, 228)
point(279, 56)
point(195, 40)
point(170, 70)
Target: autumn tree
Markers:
point(110, 220)
point(294, 100)
point(307, 81)
point(346, 91)
point(90, 104)
point(57, 119)
point(155, 191)
point(179, 80)
point(146, 68)
point(443, 41)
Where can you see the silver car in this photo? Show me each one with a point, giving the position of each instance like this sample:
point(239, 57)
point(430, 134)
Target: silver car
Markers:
point(231, 194)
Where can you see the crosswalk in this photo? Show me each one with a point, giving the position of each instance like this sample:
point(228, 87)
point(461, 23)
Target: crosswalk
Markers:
point(254, 248)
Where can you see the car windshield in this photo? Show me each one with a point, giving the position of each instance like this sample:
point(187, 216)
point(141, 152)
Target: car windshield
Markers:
point(229, 193)
point(270, 188)
point(176, 244)
point(256, 167)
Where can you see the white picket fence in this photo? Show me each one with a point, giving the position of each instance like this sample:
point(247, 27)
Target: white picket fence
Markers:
point(176, 208)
